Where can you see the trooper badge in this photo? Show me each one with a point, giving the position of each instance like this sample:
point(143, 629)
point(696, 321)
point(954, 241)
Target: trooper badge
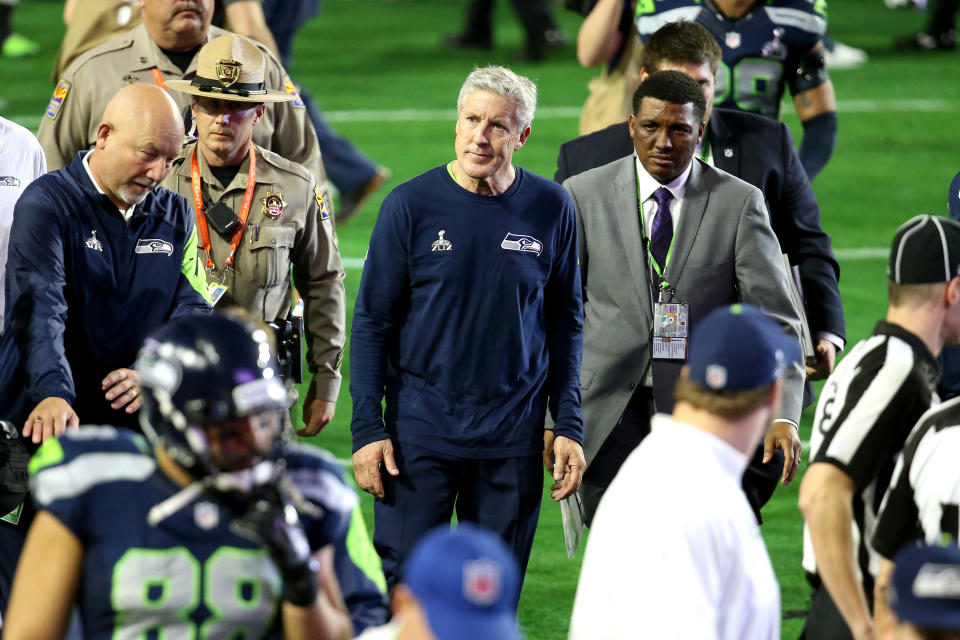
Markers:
point(228, 71)
point(273, 204)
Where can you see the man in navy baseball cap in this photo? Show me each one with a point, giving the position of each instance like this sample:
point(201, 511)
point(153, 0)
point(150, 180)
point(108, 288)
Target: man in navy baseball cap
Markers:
point(458, 584)
point(926, 592)
point(705, 552)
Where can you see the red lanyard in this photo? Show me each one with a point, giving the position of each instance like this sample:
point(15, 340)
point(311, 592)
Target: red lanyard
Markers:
point(196, 182)
point(158, 78)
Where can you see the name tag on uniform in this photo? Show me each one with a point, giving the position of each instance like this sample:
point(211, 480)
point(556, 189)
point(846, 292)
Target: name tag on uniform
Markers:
point(670, 330)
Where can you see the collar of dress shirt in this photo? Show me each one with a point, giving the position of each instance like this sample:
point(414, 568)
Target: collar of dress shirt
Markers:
point(649, 184)
point(730, 460)
point(126, 213)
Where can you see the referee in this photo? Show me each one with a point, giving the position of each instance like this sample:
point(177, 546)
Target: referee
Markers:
point(922, 502)
point(867, 409)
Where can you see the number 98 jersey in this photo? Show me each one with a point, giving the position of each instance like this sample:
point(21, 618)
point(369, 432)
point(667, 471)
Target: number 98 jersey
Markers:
point(760, 49)
point(188, 577)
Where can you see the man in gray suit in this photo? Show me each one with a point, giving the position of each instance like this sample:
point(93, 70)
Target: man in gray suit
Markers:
point(646, 285)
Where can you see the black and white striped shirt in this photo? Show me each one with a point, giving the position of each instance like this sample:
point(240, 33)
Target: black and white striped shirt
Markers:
point(865, 413)
point(924, 494)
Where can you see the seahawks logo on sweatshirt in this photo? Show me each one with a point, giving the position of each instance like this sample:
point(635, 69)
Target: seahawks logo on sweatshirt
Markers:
point(516, 242)
point(153, 245)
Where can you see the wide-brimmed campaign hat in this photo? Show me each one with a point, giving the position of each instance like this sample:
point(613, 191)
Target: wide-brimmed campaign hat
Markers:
point(230, 67)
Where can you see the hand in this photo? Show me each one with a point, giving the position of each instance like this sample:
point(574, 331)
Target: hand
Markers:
point(366, 465)
point(568, 467)
point(271, 520)
point(50, 418)
point(784, 435)
point(826, 357)
point(548, 450)
point(317, 414)
point(122, 389)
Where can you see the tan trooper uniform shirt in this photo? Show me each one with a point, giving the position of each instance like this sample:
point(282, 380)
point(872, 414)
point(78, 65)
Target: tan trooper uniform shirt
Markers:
point(76, 107)
point(302, 235)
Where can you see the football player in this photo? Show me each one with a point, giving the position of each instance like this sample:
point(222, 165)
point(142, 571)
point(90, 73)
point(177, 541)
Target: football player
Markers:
point(213, 528)
point(767, 47)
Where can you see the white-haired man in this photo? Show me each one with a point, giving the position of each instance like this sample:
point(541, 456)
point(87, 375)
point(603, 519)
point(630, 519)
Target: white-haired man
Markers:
point(469, 321)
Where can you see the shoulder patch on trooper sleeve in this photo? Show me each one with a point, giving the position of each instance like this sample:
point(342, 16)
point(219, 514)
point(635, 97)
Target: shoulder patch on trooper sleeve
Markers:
point(56, 101)
point(291, 89)
point(322, 203)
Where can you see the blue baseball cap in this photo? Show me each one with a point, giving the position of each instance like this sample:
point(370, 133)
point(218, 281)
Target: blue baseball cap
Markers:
point(467, 582)
point(953, 198)
point(926, 587)
point(739, 347)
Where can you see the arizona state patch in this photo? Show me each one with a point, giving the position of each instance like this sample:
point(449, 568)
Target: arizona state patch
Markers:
point(56, 101)
point(289, 87)
point(322, 203)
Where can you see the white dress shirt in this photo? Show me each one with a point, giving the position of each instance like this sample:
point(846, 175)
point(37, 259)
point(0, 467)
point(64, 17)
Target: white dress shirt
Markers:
point(21, 162)
point(677, 555)
point(126, 213)
point(648, 184)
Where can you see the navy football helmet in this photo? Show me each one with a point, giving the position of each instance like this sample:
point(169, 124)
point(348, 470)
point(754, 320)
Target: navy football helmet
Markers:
point(212, 394)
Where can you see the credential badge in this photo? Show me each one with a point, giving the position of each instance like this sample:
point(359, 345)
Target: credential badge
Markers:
point(93, 243)
point(273, 204)
point(441, 244)
point(228, 71)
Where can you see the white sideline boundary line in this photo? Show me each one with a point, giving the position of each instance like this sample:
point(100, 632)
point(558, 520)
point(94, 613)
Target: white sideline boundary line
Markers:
point(32, 121)
point(860, 253)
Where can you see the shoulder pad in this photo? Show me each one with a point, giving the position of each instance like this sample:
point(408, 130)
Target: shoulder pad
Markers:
point(319, 477)
point(80, 459)
point(799, 15)
point(649, 21)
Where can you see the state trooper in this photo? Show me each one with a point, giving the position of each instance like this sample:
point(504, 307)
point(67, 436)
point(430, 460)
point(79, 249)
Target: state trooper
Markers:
point(164, 48)
point(258, 213)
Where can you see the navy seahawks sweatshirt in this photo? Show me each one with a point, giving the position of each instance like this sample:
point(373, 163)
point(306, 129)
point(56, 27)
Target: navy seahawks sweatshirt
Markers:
point(469, 319)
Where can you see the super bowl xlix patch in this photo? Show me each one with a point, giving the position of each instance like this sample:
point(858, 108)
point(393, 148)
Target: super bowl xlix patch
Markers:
point(56, 101)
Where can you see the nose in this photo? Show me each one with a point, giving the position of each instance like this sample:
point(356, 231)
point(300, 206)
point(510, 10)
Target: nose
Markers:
point(158, 169)
point(480, 134)
point(664, 140)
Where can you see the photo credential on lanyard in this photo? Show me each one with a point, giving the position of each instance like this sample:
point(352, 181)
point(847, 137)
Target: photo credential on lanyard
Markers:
point(670, 327)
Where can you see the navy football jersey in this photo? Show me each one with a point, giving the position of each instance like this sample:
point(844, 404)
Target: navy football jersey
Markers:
point(759, 49)
point(188, 577)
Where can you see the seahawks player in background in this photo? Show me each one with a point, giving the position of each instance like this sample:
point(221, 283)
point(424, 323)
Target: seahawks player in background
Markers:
point(767, 46)
point(213, 528)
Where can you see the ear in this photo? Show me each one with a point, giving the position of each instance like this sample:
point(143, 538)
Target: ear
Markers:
point(261, 109)
point(644, 74)
point(400, 599)
point(523, 138)
point(703, 127)
point(103, 132)
point(952, 292)
point(632, 124)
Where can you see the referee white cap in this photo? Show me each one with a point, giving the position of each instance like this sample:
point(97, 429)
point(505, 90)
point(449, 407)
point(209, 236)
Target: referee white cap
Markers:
point(926, 250)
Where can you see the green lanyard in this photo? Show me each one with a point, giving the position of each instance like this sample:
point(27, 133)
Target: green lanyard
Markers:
point(646, 243)
point(705, 148)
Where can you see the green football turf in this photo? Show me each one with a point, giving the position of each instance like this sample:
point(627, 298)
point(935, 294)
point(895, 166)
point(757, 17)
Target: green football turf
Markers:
point(375, 66)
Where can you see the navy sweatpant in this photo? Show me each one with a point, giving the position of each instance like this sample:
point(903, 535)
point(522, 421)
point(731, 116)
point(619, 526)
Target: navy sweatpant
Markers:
point(502, 495)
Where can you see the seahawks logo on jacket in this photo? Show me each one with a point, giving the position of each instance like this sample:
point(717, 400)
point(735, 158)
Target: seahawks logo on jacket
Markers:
point(154, 245)
point(516, 242)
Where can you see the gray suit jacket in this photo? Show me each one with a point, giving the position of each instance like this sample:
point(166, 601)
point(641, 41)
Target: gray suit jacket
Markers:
point(724, 252)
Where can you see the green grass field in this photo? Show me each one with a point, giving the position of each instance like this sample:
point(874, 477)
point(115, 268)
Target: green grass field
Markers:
point(375, 66)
